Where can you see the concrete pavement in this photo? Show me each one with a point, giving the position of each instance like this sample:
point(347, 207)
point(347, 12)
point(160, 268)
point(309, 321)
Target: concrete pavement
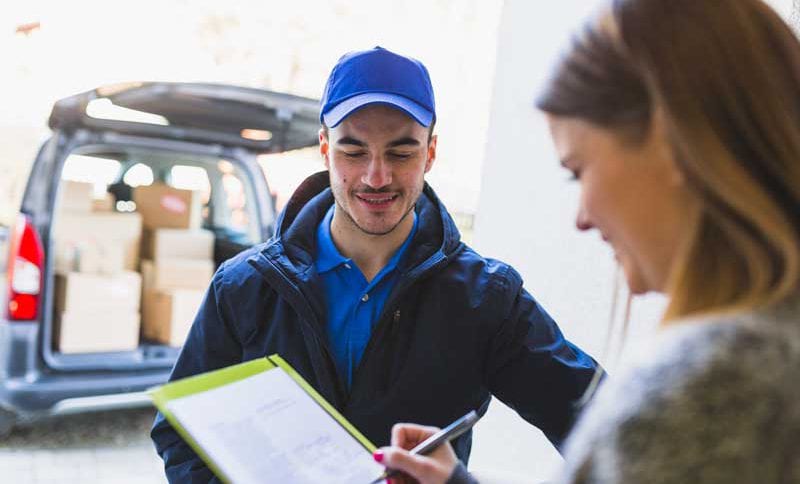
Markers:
point(106, 447)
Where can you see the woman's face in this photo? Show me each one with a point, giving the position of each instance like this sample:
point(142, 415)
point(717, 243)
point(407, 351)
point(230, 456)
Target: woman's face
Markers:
point(632, 193)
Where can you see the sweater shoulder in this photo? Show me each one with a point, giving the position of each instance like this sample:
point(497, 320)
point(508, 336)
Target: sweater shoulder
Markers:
point(710, 401)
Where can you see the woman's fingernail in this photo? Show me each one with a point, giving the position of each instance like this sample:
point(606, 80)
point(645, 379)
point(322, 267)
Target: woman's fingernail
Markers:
point(378, 456)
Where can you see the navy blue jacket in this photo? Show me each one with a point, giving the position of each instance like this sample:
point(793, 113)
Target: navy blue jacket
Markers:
point(456, 329)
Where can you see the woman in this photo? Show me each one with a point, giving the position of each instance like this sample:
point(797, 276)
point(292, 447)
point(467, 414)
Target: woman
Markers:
point(680, 119)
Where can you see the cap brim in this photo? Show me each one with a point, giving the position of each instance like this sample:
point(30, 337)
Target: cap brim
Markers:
point(345, 108)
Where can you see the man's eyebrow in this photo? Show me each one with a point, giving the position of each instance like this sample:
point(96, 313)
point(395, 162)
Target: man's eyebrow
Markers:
point(404, 141)
point(349, 140)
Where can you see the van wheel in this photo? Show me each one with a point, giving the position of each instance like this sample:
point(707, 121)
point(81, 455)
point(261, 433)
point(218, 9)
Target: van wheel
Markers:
point(7, 421)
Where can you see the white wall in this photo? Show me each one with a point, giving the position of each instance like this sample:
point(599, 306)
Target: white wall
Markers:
point(526, 217)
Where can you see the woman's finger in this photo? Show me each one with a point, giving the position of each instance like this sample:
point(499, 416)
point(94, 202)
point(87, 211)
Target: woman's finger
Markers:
point(408, 435)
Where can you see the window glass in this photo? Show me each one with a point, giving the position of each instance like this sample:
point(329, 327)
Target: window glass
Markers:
point(235, 204)
point(194, 178)
point(189, 178)
point(226, 195)
point(139, 175)
point(100, 172)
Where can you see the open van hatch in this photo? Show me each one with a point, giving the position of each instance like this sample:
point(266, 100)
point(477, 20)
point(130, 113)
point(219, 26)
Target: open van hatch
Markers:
point(262, 121)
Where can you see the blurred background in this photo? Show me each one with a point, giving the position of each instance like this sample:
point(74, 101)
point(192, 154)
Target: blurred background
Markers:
point(496, 169)
point(52, 50)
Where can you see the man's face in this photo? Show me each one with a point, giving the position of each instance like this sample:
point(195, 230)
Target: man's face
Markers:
point(377, 158)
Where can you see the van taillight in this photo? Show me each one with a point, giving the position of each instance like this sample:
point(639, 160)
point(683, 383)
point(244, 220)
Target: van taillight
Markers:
point(25, 261)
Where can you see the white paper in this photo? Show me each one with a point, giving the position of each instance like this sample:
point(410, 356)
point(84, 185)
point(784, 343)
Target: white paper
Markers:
point(266, 429)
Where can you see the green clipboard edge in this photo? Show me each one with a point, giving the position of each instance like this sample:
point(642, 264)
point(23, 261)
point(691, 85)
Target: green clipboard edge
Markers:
point(163, 394)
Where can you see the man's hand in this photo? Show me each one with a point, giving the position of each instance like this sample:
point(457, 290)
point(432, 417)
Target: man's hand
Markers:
point(435, 468)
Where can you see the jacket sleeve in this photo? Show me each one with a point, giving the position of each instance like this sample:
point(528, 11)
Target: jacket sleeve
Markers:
point(532, 368)
point(211, 344)
point(461, 476)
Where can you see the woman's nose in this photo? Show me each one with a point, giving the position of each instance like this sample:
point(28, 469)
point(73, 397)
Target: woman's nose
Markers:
point(582, 221)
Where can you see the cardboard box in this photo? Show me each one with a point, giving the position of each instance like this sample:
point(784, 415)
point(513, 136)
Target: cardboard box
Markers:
point(123, 229)
point(168, 315)
point(97, 332)
point(75, 197)
point(163, 206)
point(105, 204)
point(177, 273)
point(161, 244)
point(80, 293)
point(91, 257)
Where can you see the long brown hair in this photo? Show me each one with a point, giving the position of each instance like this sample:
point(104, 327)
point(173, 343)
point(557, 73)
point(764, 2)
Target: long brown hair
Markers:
point(725, 74)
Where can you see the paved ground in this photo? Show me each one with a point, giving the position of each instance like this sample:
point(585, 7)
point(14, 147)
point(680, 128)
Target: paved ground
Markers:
point(107, 447)
point(114, 448)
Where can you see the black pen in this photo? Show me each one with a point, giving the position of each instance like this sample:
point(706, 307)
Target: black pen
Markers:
point(431, 443)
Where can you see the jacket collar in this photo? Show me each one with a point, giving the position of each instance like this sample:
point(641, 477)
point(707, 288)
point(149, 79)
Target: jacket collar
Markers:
point(292, 247)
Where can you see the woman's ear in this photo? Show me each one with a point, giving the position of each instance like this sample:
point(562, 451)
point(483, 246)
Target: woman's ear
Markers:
point(663, 149)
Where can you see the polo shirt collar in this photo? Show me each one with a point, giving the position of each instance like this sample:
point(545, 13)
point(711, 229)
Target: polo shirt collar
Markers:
point(329, 257)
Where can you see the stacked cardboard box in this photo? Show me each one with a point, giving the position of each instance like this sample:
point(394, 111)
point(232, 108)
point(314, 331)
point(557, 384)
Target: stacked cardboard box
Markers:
point(105, 204)
point(97, 313)
point(179, 261)
point(91, 237)
point(163, 206)
point(97, 291)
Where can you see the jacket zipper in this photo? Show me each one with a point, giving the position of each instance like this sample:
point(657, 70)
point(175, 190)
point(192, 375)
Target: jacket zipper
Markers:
point(380, 329)
point(310, 320)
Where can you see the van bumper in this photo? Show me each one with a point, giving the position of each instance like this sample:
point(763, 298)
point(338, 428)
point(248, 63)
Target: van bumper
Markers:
point(29, 389)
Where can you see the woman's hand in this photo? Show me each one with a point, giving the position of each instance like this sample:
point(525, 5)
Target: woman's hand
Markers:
point(435, 468)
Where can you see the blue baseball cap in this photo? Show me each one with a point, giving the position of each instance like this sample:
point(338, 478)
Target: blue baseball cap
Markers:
point(377, 76)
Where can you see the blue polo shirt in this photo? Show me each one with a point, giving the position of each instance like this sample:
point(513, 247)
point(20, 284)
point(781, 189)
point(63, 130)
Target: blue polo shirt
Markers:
point(353, 304)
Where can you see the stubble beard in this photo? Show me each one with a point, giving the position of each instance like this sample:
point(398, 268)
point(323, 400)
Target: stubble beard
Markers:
point(364, 230)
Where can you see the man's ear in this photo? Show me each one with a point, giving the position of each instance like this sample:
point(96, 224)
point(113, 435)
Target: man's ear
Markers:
point(324, 147)
point(431, 153)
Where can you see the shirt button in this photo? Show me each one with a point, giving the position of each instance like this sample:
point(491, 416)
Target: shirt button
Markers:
point(365, 298)
point(347, 266)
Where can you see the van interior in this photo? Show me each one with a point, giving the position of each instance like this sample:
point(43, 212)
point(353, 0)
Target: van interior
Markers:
point(137, 235)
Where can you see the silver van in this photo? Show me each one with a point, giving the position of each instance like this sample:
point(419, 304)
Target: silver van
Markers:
point(204, 137)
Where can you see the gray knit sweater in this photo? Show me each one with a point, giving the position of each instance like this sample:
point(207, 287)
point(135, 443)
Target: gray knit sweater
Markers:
point(711, 401)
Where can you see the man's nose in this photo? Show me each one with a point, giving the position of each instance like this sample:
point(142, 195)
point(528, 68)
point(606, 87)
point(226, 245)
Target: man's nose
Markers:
point(378, 174)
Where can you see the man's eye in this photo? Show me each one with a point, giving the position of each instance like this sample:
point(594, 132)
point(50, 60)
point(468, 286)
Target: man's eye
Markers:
point(400, 156)
point(354, 154)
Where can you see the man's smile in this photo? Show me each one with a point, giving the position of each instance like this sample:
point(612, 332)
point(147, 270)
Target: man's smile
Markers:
point(377, 200)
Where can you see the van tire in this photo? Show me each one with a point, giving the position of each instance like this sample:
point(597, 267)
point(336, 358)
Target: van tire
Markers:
point(7, 421)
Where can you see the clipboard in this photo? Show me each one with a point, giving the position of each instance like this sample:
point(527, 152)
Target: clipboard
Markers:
point(173, 399)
